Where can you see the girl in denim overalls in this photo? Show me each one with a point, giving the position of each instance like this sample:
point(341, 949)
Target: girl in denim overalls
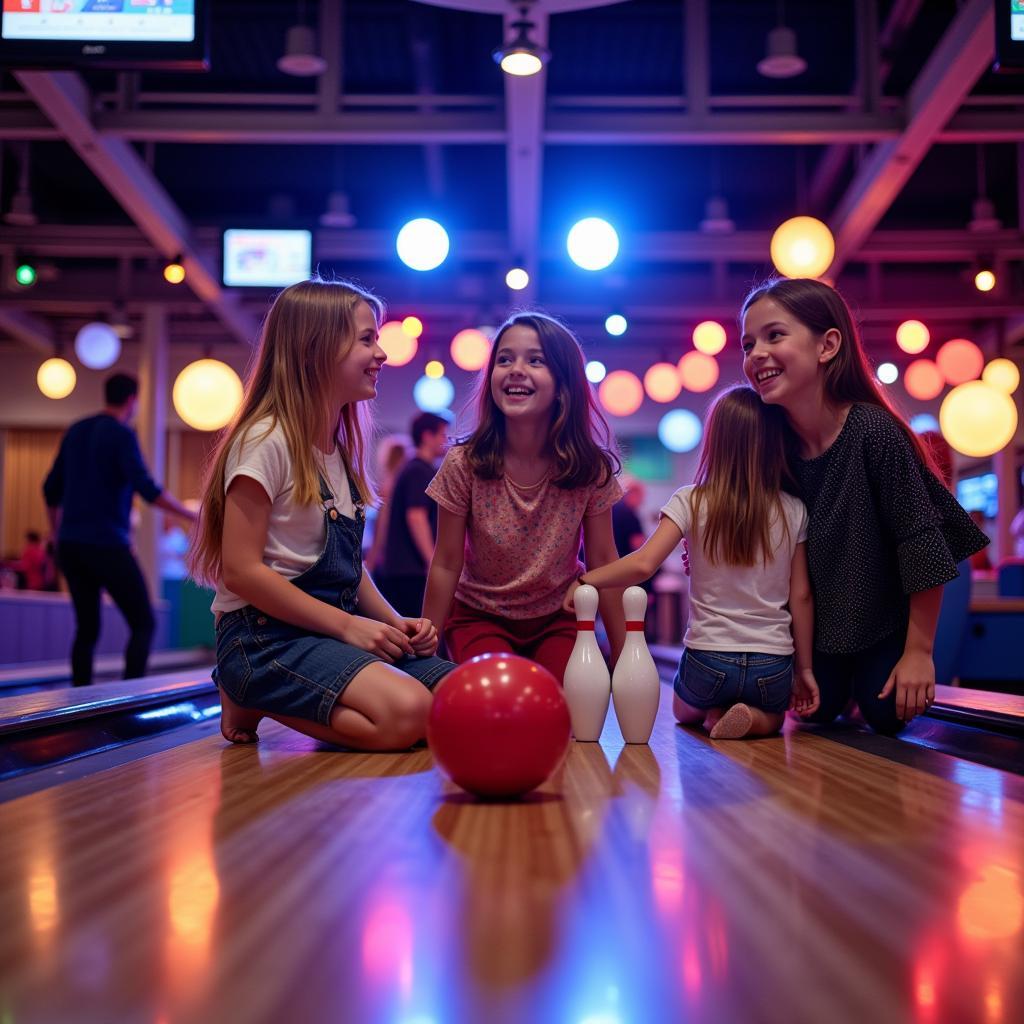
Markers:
point(303, 635)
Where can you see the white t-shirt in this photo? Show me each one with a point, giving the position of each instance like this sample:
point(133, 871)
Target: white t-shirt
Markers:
point(296, 534)
point(740, 608)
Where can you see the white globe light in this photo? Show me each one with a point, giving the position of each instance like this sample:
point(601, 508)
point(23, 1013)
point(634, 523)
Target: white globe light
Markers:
point(422, 244)
point(887, 373)
point(97, 345)
point(433, 394)
point(680, 430)
point(56, 378)
point(592, 243)
point(207, 394)
point(517, 279)
point(924, 422)
point(616, 325)
point(596, 371)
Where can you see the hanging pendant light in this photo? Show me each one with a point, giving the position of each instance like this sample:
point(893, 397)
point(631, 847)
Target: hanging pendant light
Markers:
point(521, 56)
point(301, 56)
point(781, 59)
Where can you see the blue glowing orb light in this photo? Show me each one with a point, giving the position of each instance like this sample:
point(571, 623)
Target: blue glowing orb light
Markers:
point(422, 244)
point(616, 325)
point(680, 430)
point(433, 394)
point(97, 345)
point(593, 243)
point(923, 422)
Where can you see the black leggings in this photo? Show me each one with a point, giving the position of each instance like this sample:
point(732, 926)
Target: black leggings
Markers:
point(860, 676)
point(90, 568)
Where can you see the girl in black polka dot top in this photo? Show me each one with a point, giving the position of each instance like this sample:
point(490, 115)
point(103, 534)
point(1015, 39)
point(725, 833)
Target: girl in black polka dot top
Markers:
point(884, 535)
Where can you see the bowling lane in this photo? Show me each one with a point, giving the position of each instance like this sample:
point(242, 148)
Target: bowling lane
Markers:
point(776, 880)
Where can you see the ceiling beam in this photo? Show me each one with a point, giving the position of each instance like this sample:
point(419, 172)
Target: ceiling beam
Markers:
point(27, 329)
point(963, 53)
point(64, 99)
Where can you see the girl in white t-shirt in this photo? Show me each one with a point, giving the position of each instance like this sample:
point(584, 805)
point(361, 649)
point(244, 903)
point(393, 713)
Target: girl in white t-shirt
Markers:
point(303, 635)
point(750, 596)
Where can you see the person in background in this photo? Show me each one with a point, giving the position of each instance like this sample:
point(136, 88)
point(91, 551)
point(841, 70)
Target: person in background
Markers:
point(36, 563)
point(626, 525)
point(412, 523)
point(391, 456)
point(88, 493)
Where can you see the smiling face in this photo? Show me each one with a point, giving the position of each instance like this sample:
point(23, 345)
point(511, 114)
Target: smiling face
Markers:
point(356, 371)
point(783, 358)
point(522, 384)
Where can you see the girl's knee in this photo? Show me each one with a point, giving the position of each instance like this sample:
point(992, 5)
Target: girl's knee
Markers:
point(405, 719)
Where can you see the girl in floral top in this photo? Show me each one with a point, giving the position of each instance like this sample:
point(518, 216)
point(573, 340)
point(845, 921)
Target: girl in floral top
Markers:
point(514, 499)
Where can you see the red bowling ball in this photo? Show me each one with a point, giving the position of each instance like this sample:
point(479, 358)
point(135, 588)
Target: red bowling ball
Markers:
point(499, 725)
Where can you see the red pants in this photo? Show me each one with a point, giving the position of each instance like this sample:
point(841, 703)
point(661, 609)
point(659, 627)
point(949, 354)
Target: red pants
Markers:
point(547, 639)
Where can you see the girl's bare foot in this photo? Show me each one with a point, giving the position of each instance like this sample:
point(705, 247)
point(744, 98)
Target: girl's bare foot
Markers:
point(734, 724)
point(712, 717)
point(238, 724)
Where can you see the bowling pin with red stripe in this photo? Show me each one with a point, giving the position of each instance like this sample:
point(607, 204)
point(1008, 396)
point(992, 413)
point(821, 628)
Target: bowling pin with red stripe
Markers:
point(636, 685)
point(587, 683)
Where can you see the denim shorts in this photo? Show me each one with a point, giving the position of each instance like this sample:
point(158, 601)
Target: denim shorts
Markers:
point(718, 679)
point(272, 666)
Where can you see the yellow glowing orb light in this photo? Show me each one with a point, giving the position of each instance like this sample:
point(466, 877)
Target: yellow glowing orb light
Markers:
point(698, 372)
point(621, 393)
point(709, 337)
point(434, 369)
point(1002, 375)
point(174, 271)
point(923, 380)
point(413, 326)
point(399, 346)
point(56, 378)
point(470, 349)
point(662, 383)
point(912, 336)
point(802, 247)
point(207, 394)
point(984, 280)
point(977, 420)
point(959, 361)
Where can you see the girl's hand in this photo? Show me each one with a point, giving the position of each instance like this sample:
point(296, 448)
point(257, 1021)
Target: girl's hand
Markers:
point(567, 603)
point(914, 680)
point(805, 699)
point(422, 635)
point(379, 638)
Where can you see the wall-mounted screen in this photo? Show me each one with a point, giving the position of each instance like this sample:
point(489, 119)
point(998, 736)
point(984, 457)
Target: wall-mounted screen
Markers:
point(258, 258)
point(979, 493)
point(1009, 35)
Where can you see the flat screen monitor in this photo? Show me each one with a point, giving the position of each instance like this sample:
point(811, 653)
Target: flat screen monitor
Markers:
point(105, 33)
point(264, 258)
point(1009, 35)
point(979, 493)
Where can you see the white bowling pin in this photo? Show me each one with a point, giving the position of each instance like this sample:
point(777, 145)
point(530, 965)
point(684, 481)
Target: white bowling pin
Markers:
point(636, 685)
point(587, 683)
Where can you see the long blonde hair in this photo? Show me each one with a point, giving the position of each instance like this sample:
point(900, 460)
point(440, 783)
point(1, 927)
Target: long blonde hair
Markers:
point(740, 477)
point(309, 327)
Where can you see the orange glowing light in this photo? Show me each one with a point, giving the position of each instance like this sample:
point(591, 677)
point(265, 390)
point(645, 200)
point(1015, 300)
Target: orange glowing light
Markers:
point(709, 337)
point(992, 908)
point(470, 349)
point(621, 393)
point(661, 382)
point(923, 380)
point(959, 361)
point(413, 326)
point(397, 344)
point(912, 336)
point(698, 372)
point(174, 272)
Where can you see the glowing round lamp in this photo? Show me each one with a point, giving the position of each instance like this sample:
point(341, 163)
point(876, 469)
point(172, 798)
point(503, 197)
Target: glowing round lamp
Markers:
point(661, 382)
point(709, 337)
point(1002, 375)
point(25, 275)
point(984, 280)
point(97, 346)
point(422, 244)
point(802, 247)
point(912, 336)
point(621, 393)
point(959, 361)
point(596, 371)
point(433, 394)
point(977, 420)
point(698, 372)
point(435, 369)
point(923, 380)
point(206, 394)
point(174, 272)
point(56, 378)
point(923, 422)
point(887, 373)
point(413, 326)
point(470, 349)
point(680, 430)
point(399, 347)
point(593, 243)
point(517, 279)
point(616, 325)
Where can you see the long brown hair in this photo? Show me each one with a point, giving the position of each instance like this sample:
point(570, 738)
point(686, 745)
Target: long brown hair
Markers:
point(580, 441)
point(847, 376)
point(740, 477)
point(307, 329)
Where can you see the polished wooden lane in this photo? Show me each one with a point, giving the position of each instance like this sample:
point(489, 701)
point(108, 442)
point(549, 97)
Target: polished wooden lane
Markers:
point(782, 880)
